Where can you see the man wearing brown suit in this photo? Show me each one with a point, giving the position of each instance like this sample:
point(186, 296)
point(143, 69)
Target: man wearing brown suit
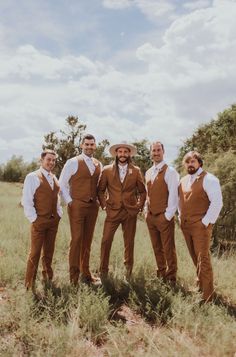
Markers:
point(78, 183)
point(162, 185)
point(42, 208)
point(124, 185)
point(200, 202)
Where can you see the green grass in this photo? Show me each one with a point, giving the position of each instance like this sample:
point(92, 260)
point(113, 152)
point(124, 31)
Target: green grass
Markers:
point(64, 321)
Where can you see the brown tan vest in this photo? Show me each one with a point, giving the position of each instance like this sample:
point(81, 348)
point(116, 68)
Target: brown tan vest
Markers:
point(45, 199)
point(157, 192)
point(194, 202)
point(83, 186)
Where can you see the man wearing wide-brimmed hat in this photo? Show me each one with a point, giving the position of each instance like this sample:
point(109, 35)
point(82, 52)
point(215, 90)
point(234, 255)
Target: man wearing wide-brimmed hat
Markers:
point(125, 198)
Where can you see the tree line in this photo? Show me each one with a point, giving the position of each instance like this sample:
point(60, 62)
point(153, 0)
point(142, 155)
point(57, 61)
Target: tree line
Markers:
point(216, 141)
point(66, 144)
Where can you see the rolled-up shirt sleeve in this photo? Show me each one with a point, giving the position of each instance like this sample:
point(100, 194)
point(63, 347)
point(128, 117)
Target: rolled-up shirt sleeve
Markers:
point(31, 183)
point(172, 181)
point(59, 207)
point(211, 186)
point(70, 168)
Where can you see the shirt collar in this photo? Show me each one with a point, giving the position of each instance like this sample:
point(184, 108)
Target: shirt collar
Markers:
point(86, 157)
point(159, 165)
point(197, 173)
point(123, 167)
point(45, 172)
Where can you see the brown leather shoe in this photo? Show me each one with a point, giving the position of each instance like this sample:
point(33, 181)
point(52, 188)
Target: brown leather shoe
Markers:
point(91, 280)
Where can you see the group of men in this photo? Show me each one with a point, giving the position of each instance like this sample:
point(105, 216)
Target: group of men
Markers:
point(121, 191)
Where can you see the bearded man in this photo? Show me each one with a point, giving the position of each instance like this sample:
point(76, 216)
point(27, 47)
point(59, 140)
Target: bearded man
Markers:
point(200, 202)
point(125, 198)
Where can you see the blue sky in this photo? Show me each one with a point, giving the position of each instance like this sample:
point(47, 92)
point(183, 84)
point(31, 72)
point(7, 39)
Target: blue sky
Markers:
point(130, 69)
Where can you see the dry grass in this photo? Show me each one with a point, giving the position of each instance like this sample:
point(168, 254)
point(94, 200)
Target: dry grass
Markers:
point(145, 318)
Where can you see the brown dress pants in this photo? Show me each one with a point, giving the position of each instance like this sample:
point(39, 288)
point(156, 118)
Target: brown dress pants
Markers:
point(198, 239)
point(43, 235)
point(83, 218)
point(163, 242)
point(128, 224)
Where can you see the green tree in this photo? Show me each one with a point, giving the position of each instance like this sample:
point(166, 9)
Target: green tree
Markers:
point(16, 169)
point(67, 143)
point(1, 172)
point(101, 152)
point(216, 143)
point(142, 159)
point(218, 136)
point(224, 167)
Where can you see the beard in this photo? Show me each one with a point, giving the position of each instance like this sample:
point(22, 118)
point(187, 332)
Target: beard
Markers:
point(123, 159)
point(192, 170)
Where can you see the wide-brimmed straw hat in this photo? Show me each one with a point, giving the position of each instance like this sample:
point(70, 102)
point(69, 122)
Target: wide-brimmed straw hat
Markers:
point(123, 144)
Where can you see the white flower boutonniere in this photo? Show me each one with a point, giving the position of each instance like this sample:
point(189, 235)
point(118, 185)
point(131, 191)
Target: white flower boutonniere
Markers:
point(130, 171)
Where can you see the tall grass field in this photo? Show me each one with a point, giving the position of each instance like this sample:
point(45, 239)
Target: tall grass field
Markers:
point(142, 318)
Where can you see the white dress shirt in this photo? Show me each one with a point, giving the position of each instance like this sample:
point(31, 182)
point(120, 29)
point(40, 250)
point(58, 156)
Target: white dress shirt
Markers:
point(31, 184)
point(172, 180)
point(70, 168)
point(122, 171)
point(211, 186)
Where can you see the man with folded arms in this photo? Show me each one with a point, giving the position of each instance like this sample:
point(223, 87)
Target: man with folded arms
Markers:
point(78, 182)
point(200, 202)
point(125, 198)
point(43, 210)
point(162, 201)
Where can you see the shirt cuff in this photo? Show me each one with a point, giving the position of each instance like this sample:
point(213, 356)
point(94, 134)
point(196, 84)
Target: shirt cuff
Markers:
point(32, 219)
point(67, 199)
point(168, 217)
point(205, 221)
point(60, 211)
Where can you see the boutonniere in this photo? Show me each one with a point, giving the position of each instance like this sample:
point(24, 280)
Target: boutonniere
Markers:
point(130, 171)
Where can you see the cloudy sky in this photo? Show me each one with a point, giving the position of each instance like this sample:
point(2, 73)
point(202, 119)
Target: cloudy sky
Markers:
point(129, 69)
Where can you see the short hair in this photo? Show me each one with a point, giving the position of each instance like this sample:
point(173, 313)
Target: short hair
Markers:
point(157, 142)
point(88, 137)
point(47, 151)
point(193, 154)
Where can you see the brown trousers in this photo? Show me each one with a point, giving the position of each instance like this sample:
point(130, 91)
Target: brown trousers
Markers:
point(198, 239)
point(162, 232)
point(43, 235)
point(128, 224)
point(82, 223)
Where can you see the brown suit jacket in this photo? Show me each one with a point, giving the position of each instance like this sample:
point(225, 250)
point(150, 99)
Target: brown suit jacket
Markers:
point(113, 194)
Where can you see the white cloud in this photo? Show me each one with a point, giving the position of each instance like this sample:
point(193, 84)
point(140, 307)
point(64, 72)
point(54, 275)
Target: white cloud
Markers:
point(198, 48)
point(117, 4)
point(197, 4)
point(187, 79)
point(28, 62)
point(152, 9)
